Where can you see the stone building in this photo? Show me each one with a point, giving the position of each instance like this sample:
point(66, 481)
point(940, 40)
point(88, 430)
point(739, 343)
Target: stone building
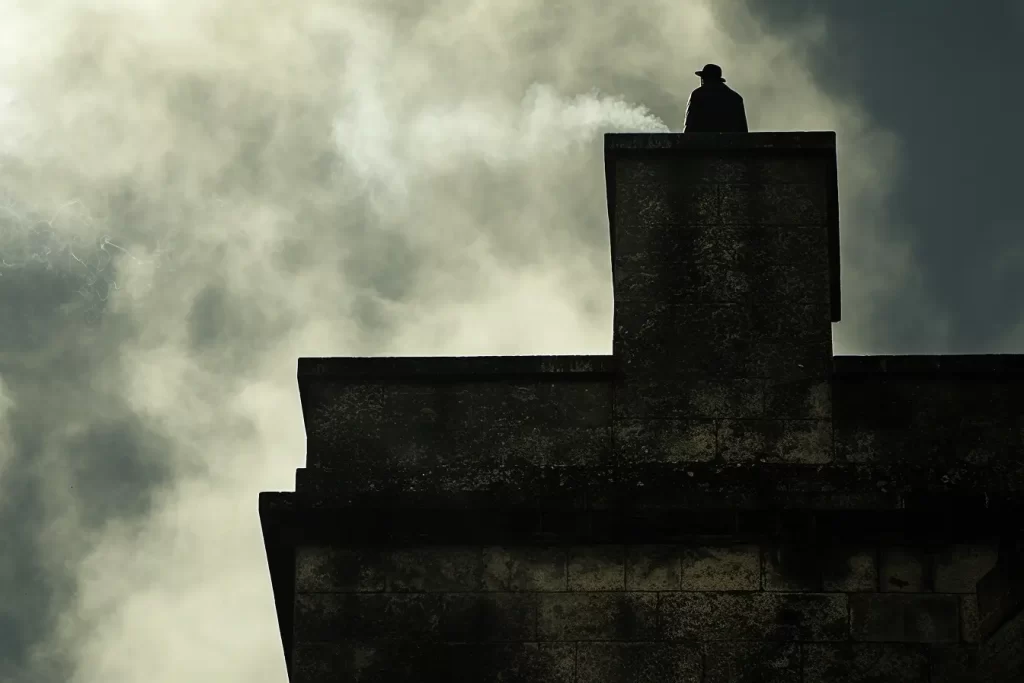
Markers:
point(720, 500)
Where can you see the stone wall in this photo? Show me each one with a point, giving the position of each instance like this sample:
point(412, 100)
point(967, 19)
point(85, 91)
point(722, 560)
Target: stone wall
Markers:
point(870, 433)
point(1002, 656)
point(721, 500)
point(961, 423)
point(705, 611)
point(1001, 614)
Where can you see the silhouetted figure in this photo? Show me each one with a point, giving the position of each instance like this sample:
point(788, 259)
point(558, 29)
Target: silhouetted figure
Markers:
point(714, 107)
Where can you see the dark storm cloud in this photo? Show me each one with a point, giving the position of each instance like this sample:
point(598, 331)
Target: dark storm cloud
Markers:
point(109, 463)
point(943, 76)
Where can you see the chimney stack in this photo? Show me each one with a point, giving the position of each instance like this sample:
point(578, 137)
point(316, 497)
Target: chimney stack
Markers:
point(725, 253)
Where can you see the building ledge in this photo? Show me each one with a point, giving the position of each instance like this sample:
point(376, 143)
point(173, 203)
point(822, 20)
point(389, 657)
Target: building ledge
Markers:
point(478, 368)
point(667, 486)
point(290, 520)
point(716, 142)
point(936, 365)
point(457, 368)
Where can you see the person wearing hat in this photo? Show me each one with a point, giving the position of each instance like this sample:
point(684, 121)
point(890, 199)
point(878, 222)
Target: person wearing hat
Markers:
point(714, 107)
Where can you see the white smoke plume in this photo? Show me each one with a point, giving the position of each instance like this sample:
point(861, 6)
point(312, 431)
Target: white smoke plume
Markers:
point(195, 193)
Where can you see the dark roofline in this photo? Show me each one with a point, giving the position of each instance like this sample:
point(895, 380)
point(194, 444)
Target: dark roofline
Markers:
point(604, 367)
point(804, 143)
point(460, 368)
point(933, 365)
point(715, 142)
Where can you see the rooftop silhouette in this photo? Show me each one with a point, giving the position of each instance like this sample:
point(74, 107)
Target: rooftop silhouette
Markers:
point(720, 499)
point(714, 107)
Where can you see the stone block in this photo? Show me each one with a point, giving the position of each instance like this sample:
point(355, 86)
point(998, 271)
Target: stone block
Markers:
point(753, 616)
point(597, 616)
point(783, 171)
point(652, 568)
point(329, 406)
point(370, 451)
point(324, 569)
point(447, 405)
point(904, 618)
point(904, 570)
point(720, 343)
point(545, 446)
point(923, 400)
point(648, 199)
point(664, 440)
point(948, 445)
point(954, 664)
point(684, 282)
point(328, 617)
point(981, 441)
point(790, 284)
point(696, 169)
point(522, 663)
point(958, 568)
point(688, 398)
point(637, 663)
point(747, 280)
point(641, 248)
point(787, 360)
point(570, 403)
point(799, 399)
point(328, 662)
point(805, 246)
point(790, 204)
point(786, 441)
point(796, 323)
point(864, 663)
point(396, 661)
point(969, 621)
point(792, 567)
point(412, 662)
point(749, 249)
point(994, 396)
point(597, 568)
point(1001, 656)
point(435, 569)
point(850, 569)
point(720, 568)
point(475, 617)
point(715, 168)
point(706, 339)
point(525, 568)
point(748, 662)
point(366, 430)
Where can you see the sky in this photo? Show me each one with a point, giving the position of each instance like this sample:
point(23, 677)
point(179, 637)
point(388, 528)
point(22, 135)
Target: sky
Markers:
point(193, 194)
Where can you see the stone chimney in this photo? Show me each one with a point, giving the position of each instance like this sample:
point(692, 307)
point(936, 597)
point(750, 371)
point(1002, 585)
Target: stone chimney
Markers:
point(725, 253)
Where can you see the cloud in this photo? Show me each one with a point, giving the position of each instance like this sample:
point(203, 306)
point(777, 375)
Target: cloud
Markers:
point(197, 193)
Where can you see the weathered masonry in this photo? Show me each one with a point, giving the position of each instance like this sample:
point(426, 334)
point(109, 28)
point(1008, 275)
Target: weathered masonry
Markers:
point(720, 500)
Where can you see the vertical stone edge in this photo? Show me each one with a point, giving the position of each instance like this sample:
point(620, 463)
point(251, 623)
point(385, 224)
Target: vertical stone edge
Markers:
point(832, 219)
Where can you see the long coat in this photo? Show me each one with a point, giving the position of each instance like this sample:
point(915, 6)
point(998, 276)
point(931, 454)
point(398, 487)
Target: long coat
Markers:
point(715, 108)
